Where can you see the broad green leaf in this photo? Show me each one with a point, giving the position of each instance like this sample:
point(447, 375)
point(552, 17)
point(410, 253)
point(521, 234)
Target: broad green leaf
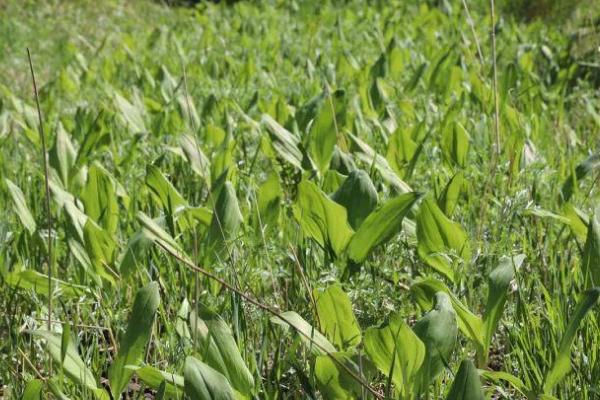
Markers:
point(317, 343)
point(270, 196)
point(587, 166)
point(33, 390)
point(438, 331)
point(397, 352)
point(285, 144)
point(73, 366)
point(217, 348)
point(380, 226)
point(335, 382)
point(449, 197)
point(321, 218)
point(498, 285)
point(137, 335)
point(323, 132)
point(466, 384)
point(226, 219)
point(562, 363)
point(336, 317)
point(204, 383)
point(358, 195)
point(471, 325)
point(20, 207)
point(590, 264)
point(100, 200)
point(439, 238)
point(38, 282)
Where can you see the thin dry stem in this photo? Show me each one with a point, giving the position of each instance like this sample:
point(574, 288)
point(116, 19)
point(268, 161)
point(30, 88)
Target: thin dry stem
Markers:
point(47, 185)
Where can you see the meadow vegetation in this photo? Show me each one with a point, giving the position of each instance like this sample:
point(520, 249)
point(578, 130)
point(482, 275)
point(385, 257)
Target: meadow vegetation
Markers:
point(299, 199)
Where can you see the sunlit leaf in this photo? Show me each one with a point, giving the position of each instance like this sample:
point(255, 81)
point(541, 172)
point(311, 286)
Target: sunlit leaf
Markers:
point(395, 349)
point(439, 238)
point(380, 226)
point(336, 317)
point(321, 218)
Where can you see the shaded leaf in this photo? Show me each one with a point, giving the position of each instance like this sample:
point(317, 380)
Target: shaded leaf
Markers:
point(438, 331)
point(466, 384)
point(471, 325)
point(137, 335)
point(358, 195)
point(100, 200)
point(226, 219)
point(448, 199)
point(270, 195)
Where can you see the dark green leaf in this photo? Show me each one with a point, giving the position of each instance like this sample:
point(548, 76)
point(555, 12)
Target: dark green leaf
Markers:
point(137, 335)
point(467, 384)
point(358, 195)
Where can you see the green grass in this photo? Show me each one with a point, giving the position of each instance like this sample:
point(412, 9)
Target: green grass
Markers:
point(404, 78)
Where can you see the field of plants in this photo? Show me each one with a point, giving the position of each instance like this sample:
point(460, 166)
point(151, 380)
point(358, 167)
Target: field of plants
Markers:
point(299, 200)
